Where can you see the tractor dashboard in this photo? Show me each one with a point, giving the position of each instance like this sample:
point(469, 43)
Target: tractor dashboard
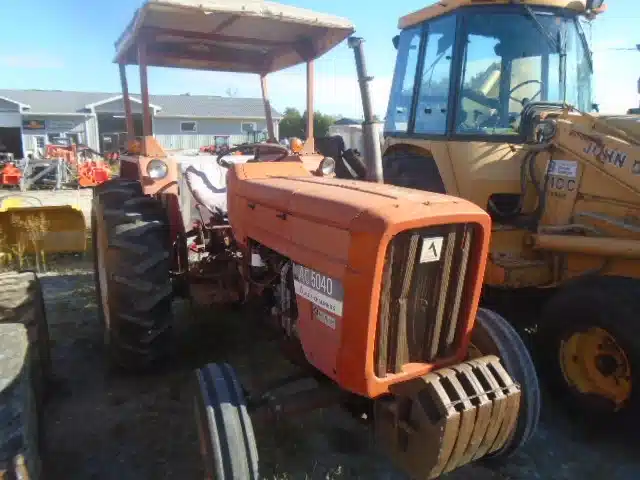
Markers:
point(470, 72)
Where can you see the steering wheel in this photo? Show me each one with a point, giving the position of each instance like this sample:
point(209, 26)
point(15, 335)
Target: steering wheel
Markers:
point(520, 85)
point(256, 148)
point(482, 99)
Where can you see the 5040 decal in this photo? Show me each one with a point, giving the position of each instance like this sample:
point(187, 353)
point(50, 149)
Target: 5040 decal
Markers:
point(320, 289)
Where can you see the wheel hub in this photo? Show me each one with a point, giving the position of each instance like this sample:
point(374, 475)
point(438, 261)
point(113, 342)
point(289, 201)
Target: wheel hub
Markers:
point(606, 365)
point(594, 363)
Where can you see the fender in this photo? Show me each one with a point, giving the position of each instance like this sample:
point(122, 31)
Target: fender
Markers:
point(410, 166)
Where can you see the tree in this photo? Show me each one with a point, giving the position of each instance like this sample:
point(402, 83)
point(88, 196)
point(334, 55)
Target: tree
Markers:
point(291, 124)
point(294, 124)
point(321, 123)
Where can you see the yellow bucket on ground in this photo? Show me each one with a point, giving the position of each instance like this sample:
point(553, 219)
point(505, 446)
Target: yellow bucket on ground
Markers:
point(48, 229)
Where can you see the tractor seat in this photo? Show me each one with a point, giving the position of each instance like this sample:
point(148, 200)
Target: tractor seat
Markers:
point(207, 182)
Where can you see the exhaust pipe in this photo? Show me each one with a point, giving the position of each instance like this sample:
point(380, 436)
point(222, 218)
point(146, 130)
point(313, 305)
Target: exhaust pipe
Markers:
point(372, 150)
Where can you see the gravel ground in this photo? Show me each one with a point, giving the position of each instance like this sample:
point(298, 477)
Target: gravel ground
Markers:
point(101, 425)
point(106, 426)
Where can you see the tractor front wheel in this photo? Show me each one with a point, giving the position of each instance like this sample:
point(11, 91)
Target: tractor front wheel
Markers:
point(132, 261)
point(227, 441)
point(493, 335)
point(590, 344)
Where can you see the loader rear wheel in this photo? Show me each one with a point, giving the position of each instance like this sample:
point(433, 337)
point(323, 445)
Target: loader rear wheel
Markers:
point(131, 245)
point(590, 344)
point(493, 335)
point(227, 441)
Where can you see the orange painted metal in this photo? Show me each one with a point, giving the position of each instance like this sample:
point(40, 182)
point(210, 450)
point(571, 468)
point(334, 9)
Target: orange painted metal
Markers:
point(68, 153)
point(342, 228)
point(10, 175)
point(92, 173)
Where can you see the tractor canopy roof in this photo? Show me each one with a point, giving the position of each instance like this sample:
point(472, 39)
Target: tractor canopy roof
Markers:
point(440, 8)
point(250, 36)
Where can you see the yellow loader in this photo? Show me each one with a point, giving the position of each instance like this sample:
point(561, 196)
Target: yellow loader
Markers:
point(491, 101)
point(29, 228)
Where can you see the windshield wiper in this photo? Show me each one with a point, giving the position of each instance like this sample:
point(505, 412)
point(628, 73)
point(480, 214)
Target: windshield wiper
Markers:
point(555, 44)
point(585, 44)
point(558, 44)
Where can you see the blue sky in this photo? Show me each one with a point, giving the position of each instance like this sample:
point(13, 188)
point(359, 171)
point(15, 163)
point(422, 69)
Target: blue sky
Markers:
point(68, 45)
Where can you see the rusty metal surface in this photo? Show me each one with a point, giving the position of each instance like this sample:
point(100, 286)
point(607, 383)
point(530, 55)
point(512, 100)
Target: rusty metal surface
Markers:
point(448, 418)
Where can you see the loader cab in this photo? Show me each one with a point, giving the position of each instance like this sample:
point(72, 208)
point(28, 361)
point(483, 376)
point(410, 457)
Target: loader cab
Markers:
point(468, 72)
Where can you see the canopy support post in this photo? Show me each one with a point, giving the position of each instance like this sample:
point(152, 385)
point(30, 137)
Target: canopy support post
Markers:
point(309, 145)
point(144, 88)
point(131, 135)
point(267, 109)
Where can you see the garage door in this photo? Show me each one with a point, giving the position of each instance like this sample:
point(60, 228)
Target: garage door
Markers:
point(10, 119)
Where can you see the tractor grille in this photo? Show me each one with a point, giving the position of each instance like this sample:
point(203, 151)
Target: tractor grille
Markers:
point(423, 294)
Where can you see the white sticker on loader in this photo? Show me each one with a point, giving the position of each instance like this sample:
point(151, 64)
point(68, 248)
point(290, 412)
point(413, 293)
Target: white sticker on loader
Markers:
point(431, 249)
point(320, 289)
point(563, 168)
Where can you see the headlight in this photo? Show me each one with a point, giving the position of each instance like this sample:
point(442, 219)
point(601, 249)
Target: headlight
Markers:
point(157, 169)
point(327, 166)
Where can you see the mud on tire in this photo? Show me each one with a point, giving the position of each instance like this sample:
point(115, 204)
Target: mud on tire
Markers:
point(131, 246)
point(227, 440)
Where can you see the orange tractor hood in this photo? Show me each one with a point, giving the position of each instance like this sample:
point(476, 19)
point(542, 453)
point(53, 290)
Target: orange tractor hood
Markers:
point(342, 229)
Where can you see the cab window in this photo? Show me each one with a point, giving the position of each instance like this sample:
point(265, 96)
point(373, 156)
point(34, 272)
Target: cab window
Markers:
point(399, 108)
point(433, 94)
point(509, 60)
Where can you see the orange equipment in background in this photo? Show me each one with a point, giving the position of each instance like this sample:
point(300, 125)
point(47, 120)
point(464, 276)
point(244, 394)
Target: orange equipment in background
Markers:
point(90, 171)
point(67, 152)
point(10, 175)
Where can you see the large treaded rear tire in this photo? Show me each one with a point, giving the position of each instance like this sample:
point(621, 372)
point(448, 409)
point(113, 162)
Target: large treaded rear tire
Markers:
point(493, 335)
point(224, 427)
point(131, 231)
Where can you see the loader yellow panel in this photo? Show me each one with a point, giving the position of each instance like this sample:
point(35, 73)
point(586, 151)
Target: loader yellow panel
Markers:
point(55, 229)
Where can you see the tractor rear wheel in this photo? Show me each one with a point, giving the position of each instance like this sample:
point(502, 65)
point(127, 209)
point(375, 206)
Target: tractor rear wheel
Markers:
point(227, 441)
point(132, 262)
point(493, 335)
point(590, 343)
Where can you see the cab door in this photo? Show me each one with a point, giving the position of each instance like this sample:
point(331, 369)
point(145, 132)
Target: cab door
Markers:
point(416, 154)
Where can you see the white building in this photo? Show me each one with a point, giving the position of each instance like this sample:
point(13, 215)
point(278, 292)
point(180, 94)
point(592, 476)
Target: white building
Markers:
point(30, 119)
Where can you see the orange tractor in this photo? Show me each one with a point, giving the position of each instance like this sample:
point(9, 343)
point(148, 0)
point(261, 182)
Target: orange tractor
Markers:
point(10, 174)
point(89, 165)
point(62, 163)
point(373, 288)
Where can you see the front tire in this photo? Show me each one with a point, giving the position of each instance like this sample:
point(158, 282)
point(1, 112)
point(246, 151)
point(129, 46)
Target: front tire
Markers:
point(132, 262)
point(227, 441)
point(493, 335)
